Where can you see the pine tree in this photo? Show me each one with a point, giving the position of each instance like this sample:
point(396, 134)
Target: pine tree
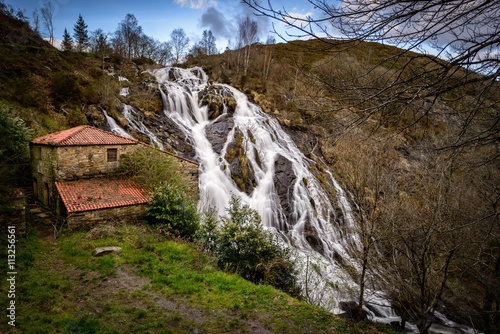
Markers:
point(67, 43)
point(81, 33)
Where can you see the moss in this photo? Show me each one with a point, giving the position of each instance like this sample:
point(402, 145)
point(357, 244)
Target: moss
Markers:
point(244, 166)
point(257, 157)
point(230, 154)
point(239, 138)
point(323, 180)
point(239, 182)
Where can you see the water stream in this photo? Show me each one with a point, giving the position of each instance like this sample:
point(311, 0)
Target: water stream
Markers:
point(288, 195)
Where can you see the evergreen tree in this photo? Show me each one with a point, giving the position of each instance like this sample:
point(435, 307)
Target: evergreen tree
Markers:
point(81, 33)
point(67, 43)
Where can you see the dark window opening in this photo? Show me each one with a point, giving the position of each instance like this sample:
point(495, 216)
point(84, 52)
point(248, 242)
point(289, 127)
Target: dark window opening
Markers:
point(46, 194)
point(112, 154)
point(35, 189)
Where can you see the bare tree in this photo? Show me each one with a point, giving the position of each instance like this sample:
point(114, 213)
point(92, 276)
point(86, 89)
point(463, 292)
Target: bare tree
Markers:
point(127, 35)
point(180, 43)
point(422, 229)
point(208, 43)
point(98, 42)
point(465, 33)
point(164, 53)
point(36, 21)
point(247, 34)
point(47, 17)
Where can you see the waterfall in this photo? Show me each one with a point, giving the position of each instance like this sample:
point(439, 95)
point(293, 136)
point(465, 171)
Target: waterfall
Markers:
point(134, 121)
point(283, 189)
point(243, 151)
point(114, 127)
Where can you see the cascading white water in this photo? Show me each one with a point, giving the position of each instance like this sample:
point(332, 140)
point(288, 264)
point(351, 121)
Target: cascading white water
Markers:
point(324, 276)
point(114, 127)
point(309, 212)
point(136, 124)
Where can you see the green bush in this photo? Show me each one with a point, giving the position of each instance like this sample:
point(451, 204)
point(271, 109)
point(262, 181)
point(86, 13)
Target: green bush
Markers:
point(149, 168)
point(240, 244)
point(14, 137)
point(173, 210)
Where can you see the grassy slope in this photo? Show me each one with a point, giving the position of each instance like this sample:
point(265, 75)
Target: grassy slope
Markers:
point(153, 286)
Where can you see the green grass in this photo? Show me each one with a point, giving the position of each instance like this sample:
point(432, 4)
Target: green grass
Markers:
point(63, 288)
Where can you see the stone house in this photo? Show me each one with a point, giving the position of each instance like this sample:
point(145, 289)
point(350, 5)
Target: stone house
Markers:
point(68, 170)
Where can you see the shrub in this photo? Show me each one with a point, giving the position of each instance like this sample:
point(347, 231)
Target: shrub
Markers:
point(149, 168)
point(173, 210)
point(142, 61)
point(240, 244)
point(14, 137)
point(65, 87)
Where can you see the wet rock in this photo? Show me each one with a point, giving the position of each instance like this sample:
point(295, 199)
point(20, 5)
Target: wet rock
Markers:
point(312, 237)
point(217, 132)
point(95, 117)
point(150, 85)
point(242, 172)
point(284, 179)
point(170, 135)
point(351, 310)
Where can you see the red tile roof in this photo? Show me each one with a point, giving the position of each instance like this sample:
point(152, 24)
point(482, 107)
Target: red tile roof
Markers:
point(83, 135)
point(100, 193)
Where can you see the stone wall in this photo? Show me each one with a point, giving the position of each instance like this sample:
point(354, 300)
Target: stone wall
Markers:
point(44, 169)
point(87, 219)
point(189, 174)
point(77, 162)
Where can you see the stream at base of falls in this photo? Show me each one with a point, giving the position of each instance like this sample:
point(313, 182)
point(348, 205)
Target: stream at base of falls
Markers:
point(245, 152)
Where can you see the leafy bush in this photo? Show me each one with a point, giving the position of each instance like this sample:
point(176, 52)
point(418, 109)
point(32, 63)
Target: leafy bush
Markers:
point(173, 210)
point(14, 137)
point(240, 244)
point(149, 168)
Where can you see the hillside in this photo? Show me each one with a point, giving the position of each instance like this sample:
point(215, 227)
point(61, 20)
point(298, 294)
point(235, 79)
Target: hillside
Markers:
point(417, 191)
point(155, 285)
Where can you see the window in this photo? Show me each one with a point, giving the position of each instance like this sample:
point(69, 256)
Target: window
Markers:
point(112, 154)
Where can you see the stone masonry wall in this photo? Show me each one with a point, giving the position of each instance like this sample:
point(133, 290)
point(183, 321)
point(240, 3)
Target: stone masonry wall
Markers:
point(76, 162)
point(87, 219)
point(189, 173)
point(44, 168)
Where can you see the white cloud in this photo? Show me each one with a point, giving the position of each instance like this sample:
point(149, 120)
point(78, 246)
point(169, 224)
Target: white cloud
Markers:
point(196, 4)
point(296, 18)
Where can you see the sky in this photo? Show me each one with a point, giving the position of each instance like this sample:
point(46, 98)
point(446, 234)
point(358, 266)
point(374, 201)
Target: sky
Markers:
point(159, 18)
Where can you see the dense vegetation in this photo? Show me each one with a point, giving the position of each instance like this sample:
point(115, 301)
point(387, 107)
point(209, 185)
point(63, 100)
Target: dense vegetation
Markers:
point(240, 244)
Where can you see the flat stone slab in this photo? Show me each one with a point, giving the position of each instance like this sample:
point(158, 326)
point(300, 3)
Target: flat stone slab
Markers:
point(36, 210)
point(100, 251)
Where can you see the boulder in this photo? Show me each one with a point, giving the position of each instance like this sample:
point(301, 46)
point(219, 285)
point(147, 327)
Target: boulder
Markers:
point(217, 132)
point(351, 310)
point(284, 179)
point(100, 251)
